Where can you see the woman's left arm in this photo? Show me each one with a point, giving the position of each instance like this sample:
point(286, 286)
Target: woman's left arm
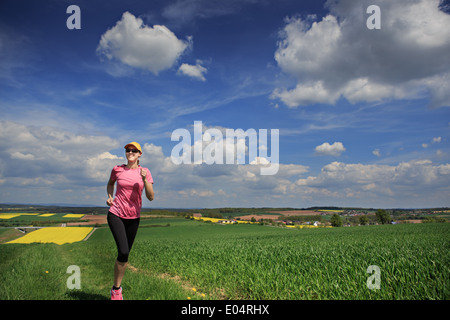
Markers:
point(149, 193)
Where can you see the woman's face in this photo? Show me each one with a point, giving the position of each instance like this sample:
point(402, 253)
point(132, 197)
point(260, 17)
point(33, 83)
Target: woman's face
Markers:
point(132, 156)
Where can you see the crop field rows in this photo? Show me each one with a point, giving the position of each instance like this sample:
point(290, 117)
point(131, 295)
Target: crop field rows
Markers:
point(254, 262)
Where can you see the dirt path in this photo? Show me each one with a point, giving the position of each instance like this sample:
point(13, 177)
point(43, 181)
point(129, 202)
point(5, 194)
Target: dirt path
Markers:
point(217, 294)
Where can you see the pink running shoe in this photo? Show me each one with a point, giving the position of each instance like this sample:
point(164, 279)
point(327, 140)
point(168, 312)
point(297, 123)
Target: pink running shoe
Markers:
point(116, 294)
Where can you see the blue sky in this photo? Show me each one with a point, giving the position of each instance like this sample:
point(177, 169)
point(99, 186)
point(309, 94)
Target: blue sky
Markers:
point(363, 114)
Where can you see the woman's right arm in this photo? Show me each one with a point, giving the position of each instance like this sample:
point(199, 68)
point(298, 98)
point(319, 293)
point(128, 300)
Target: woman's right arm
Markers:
point(110, 191)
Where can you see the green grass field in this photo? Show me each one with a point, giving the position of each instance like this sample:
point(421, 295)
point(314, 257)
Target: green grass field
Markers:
point(172, 256)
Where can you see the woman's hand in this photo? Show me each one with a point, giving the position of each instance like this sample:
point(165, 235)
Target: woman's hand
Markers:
point(143, 174)
point(110, 192)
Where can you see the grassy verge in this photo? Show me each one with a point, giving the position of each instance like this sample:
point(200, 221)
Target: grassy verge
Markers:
point(39, 272)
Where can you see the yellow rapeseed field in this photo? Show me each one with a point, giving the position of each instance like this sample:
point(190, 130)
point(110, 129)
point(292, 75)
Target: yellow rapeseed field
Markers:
point(9, 216)
point(73, 215)
point(306, 226)
point(58, 235)
point(13, 215)
point(215, 220)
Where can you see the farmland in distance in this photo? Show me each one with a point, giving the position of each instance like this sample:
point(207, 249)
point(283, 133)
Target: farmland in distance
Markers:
point(173, 256)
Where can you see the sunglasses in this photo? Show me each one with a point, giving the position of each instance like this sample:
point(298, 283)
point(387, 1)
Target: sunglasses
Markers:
point(132, 150)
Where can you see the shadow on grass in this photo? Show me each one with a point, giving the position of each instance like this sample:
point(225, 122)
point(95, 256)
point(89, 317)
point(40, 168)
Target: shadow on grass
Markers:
point(81, 295)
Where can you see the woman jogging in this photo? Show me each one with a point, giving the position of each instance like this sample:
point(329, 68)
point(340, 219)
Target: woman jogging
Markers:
point(125, 208)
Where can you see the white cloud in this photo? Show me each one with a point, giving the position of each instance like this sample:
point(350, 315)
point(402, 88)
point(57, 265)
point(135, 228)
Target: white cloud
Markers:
point(376, 152)
point(334, 149)
point(196, 71)
point(44, 164)
point(440, 153)
point(43, 152)
point(339, 56)
point(305, 93)
point(196, 193)
point(20, 155)
point(418, 182)
point(98, 166)
point(137, 45)
point(434, 140)
point(437, 140)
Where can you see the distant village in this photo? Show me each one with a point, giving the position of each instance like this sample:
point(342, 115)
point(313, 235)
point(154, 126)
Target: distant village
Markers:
point(333, 217)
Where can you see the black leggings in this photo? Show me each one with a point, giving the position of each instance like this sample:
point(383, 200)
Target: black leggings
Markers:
point(124, 231)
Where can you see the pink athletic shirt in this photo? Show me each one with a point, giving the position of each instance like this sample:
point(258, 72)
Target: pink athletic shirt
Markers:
point(128, 201)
